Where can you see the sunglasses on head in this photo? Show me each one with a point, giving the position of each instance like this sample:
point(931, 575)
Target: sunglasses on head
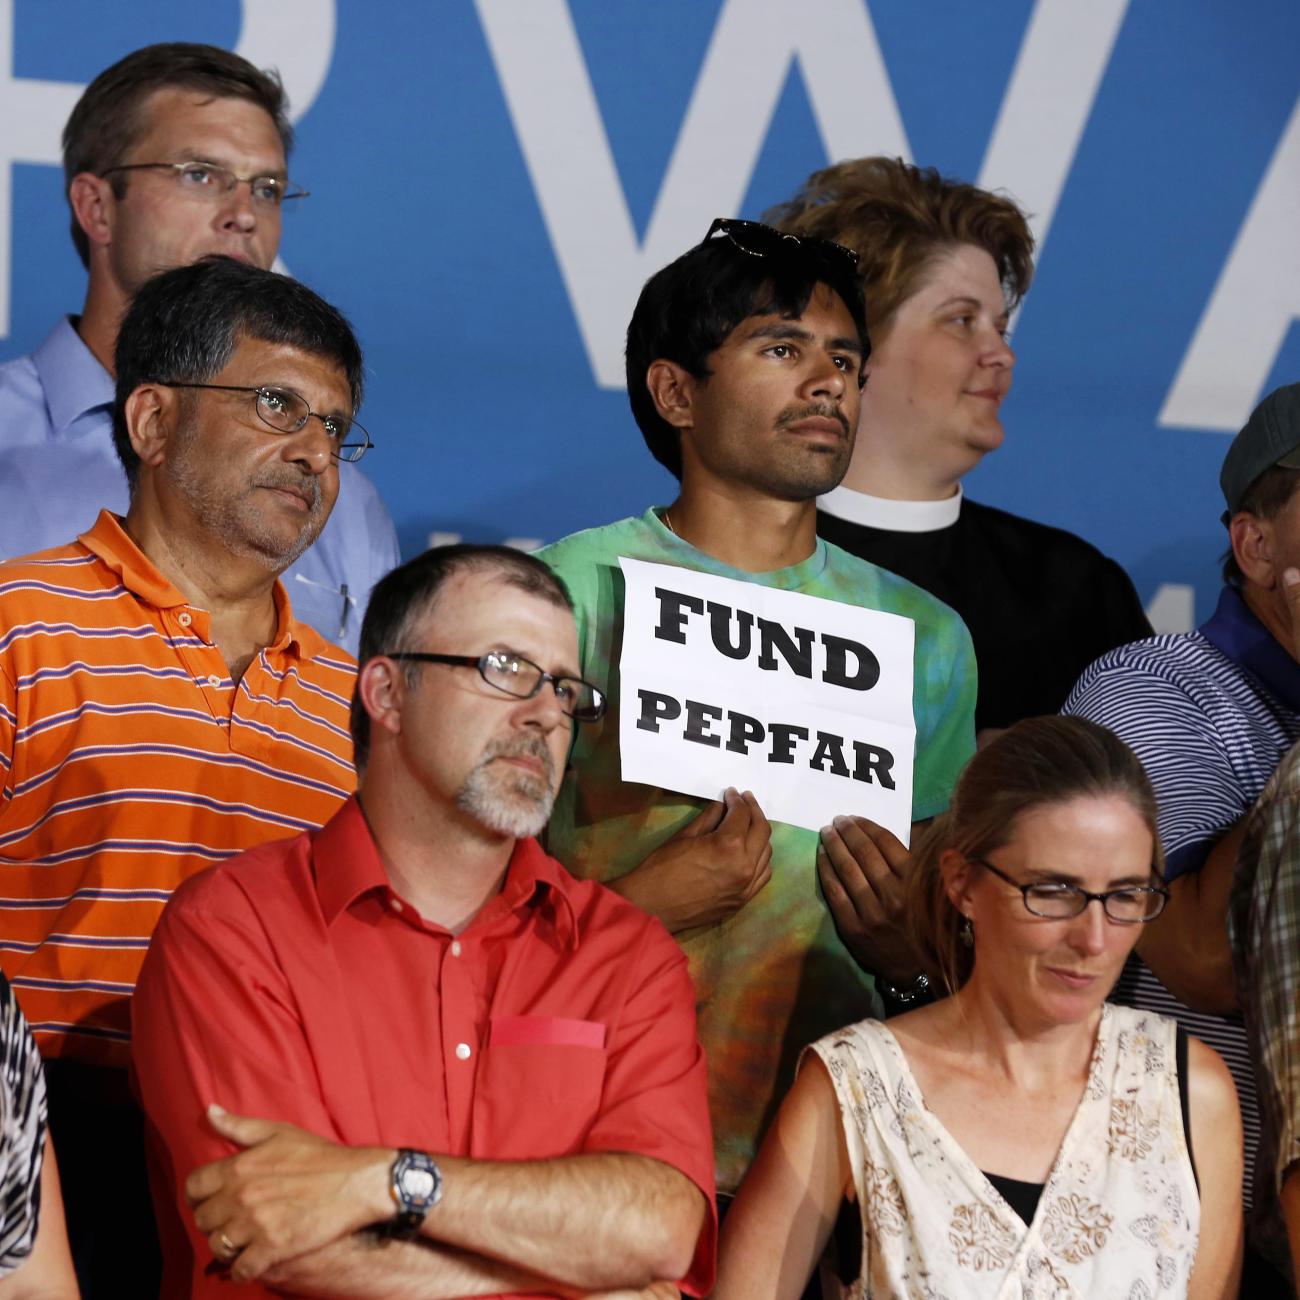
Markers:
point(758, 240)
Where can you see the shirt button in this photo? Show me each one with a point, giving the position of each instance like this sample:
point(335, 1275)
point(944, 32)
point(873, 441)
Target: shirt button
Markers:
point(214, 680)
point(455, 947)
point(462, 1051)
point(185, 618)
point(395, 904)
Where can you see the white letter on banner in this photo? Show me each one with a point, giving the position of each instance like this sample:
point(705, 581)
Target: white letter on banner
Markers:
point(1251, 309)
point(1172, 608)
point(297, 36)
point(807, 702)
point(558, 123)
point(1063, 54)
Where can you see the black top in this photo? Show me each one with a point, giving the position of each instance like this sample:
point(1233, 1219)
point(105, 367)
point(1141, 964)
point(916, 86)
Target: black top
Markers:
point(1020, 1196)
point(1041, 603)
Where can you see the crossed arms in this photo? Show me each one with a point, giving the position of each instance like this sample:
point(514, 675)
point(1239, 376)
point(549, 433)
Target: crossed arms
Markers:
point(298, 1206)
point(617, 1201)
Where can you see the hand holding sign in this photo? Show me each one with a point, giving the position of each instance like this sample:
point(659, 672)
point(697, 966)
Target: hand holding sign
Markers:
point(863, 869)
point(711, 868)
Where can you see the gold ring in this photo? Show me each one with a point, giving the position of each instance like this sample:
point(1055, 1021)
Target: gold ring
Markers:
point(228, 1248)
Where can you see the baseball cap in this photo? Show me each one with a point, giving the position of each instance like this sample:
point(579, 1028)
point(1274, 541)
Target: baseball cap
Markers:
point(1270, 437)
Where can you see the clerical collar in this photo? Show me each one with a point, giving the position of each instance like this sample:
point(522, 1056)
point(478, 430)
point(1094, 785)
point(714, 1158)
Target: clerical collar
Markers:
point(892, 516)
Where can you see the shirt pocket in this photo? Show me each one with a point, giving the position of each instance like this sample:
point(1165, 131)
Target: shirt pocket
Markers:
point(541, 1031)
point(539, 1086)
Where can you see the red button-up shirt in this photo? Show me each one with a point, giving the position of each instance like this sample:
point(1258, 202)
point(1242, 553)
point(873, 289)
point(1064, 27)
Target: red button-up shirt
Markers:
point(292, 983)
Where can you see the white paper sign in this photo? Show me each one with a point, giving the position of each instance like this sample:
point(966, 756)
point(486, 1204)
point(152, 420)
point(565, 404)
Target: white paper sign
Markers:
point(806, 702)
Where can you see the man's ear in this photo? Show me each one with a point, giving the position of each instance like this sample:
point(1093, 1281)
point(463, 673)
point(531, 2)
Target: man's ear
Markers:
point(1252, 546)
point(381, 687)
point(672, 389)
point(151, 413)
point(93, 206)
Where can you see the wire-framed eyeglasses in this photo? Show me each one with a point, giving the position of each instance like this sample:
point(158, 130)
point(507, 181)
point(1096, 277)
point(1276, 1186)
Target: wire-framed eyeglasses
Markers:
point(287, 412)
point(211, 181)
point(522, 678)
point(1057, 900)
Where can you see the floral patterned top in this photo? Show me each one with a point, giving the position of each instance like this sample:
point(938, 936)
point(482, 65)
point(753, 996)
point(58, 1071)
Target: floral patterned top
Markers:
point(1119, 1214)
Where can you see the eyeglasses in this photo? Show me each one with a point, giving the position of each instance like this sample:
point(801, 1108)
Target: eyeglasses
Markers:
point(207, 180)
point(522, 678)
point(286, 412)
point(1055, 900)
point(758, 240)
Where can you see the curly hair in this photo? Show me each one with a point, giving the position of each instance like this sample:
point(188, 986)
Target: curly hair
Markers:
point(898, 218)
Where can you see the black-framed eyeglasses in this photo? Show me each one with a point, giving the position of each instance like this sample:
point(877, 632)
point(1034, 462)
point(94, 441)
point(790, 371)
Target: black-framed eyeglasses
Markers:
point(522, 678)
point(1056, 900)
point(211, 181)
point(287, 412)
point(759, 240)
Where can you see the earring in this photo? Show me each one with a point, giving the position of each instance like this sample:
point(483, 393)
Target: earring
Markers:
point(967, 932)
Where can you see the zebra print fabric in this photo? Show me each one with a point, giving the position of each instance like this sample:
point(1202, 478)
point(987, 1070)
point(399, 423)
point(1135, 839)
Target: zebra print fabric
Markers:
point(22, 1134)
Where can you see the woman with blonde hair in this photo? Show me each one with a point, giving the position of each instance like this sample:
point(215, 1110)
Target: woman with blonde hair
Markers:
point(1021, 1137)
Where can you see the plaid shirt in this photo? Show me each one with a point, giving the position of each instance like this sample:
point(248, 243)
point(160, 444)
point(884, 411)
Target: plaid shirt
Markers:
point(1264, 928)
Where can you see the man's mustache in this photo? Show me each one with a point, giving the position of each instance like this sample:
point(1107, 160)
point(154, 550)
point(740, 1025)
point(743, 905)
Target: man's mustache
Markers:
point(823, 410)
point(526, 746)
point(307, 485)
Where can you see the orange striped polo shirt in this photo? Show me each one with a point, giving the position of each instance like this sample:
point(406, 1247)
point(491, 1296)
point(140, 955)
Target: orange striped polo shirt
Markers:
point(130, 761)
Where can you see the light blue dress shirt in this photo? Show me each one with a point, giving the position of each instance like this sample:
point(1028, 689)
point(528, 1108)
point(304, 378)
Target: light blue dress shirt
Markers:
point(58, 469)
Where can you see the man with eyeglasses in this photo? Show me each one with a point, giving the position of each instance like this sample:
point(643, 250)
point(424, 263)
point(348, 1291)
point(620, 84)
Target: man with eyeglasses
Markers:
point(744, 368)
point(161, 708)
point(443, 1065)
point(176, 152)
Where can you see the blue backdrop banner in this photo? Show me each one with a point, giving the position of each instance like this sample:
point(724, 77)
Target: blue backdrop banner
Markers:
point(493, 180)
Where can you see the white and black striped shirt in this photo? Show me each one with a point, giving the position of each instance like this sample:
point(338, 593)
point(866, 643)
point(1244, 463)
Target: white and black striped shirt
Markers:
point(1211, 714)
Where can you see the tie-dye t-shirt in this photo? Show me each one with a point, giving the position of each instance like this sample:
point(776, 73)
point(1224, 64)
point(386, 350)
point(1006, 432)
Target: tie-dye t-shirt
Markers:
point(774, 976)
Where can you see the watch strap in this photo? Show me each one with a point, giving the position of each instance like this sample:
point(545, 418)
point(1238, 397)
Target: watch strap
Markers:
point(898, 998)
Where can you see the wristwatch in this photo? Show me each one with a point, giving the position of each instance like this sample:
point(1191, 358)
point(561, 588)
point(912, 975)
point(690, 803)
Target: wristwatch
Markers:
point(415, 1182)
point(903, 998)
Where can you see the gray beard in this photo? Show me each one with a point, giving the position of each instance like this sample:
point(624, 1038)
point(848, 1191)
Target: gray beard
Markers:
point(246, 534)
point(506, 800)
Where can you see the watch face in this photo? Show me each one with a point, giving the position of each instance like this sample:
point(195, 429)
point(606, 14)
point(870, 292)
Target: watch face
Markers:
point(418, 1184)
